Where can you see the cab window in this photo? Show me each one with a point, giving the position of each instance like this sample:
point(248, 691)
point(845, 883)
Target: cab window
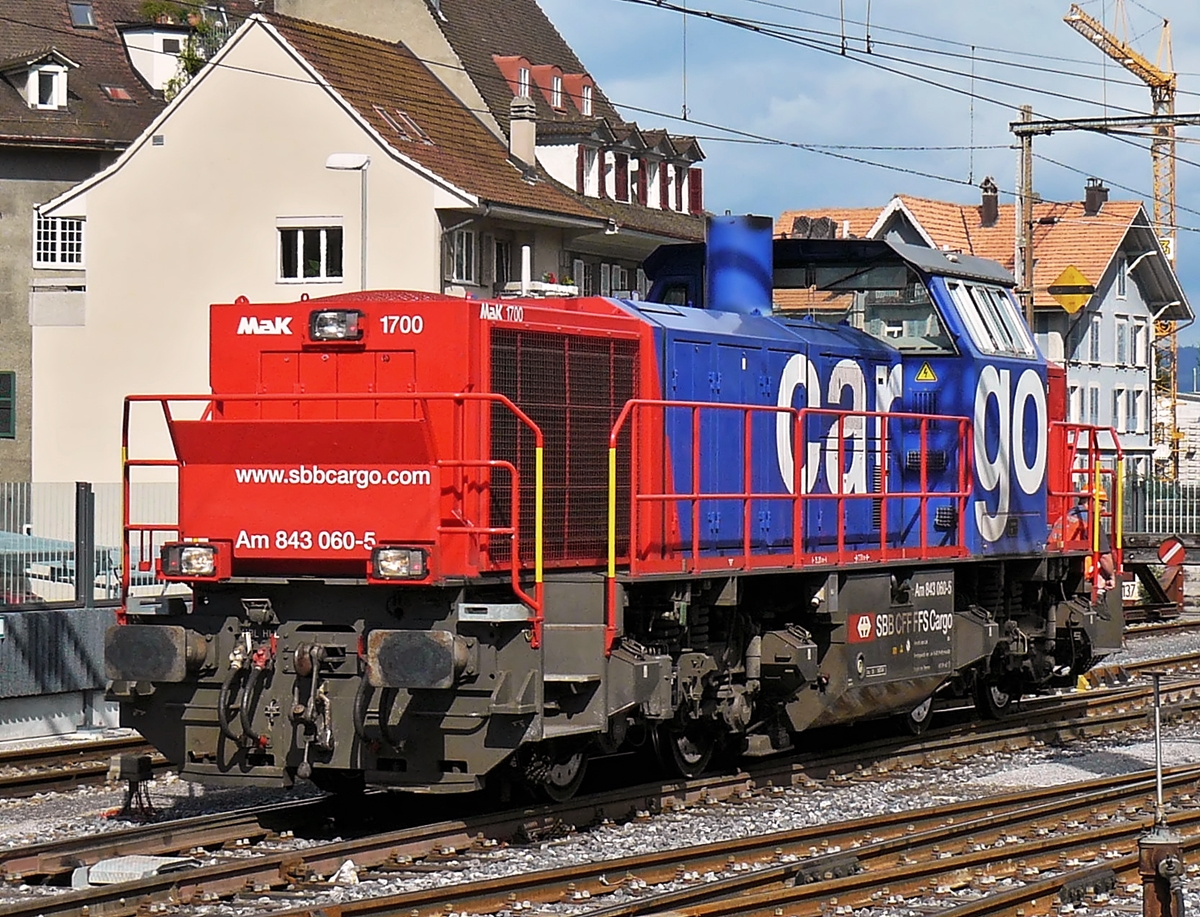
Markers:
point(991, 319)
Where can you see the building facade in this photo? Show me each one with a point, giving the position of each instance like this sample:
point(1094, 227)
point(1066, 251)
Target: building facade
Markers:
point(302, 161)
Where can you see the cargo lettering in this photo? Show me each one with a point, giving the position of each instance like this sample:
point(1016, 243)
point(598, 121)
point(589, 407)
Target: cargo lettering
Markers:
point(997, 471)
point(280, 325)
point(845, 472)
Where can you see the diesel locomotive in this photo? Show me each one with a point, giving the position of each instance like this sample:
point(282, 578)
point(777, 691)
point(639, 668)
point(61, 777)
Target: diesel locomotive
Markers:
point(432, 543)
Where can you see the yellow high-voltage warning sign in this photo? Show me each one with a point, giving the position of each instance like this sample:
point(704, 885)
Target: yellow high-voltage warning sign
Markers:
point(926, 373)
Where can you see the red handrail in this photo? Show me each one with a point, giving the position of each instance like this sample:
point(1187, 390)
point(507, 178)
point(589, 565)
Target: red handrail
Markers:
point(536, 602)
point(798, 557)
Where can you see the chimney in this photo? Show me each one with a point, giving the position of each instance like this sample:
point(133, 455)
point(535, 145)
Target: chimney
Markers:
point(522, 131)
point(989, 207)
point(1094, 196)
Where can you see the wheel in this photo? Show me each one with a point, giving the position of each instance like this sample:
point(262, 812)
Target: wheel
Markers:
point(918, 718)
point(993, 699)
point(685, 752)
point(564, 776)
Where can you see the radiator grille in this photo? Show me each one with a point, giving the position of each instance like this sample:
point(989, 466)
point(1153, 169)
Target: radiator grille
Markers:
point(573, 388)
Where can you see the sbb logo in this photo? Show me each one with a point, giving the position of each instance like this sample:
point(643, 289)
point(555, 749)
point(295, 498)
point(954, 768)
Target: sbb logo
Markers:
point(861, 628)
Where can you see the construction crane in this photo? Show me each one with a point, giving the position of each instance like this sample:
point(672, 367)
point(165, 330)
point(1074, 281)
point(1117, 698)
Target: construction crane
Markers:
point(1160, 78)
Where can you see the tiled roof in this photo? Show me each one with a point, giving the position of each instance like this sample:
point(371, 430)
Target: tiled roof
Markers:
point(682, 226)
point(859, 219)
point(1063, 235)
point(478, 29)
point(90, 119)
point(370, 73)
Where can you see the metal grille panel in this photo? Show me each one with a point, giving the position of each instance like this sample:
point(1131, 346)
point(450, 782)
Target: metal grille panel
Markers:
point(573, 388)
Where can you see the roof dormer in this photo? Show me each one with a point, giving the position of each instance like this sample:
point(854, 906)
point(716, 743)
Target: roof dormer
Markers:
point(40, 77)
point(549, 79)
point(581, 90)
point(517, 71)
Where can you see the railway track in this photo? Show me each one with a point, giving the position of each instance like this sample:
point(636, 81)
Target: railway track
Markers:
point(25, 772)
point(254, 856)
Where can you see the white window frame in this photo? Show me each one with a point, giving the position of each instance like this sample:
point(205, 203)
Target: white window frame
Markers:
point(991, 319)
point(523, 82)
point(1139, 410)
point(1120, 417)
point(53, 248)
point(1094, 339)
point(586, 101)
point(302, 228)
point(556, 91)
point(1141, 339)
point(1122, 284)
point(462, 256)
point(58, 75)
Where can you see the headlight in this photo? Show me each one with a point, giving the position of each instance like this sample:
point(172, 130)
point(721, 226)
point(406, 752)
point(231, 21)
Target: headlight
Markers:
point(336, 325)
point(189, 560)
point(398, 563)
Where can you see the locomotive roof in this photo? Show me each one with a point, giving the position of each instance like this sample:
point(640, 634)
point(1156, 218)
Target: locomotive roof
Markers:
point(794, 253)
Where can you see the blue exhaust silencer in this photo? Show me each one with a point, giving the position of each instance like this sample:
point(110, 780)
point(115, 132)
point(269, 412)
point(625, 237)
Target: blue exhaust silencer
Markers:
point(739, 271)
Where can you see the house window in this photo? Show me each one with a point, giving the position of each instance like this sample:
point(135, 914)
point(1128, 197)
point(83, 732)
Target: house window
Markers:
point(47, 96)
point(606, 280)
point(523, 82)
point(1074, 405)
point(1122, 277)
point(462, 256)
point(117, 93)
point(170, 46)
point(311, 253)
point(587, 101)
point(81, 15)
point(1122, 340)
point(556, 91)
point(503, 263)
point(57, 242)
point(1119, 420)
point(1094, 341)
point(1093, 414)
point(8, 405)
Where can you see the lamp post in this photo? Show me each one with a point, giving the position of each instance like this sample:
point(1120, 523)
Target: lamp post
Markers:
point(355, 162)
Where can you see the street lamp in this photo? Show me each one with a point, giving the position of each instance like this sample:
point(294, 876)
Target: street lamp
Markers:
point(355, 162)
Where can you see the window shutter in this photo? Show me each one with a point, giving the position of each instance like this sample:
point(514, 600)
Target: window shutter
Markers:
point(606, 280)
point(602, 166)
point(577, 273)
point(447, 256)
point(664, 186)
point(641, 283)
point(680, 173)
point(622, 176)
point(581, 169)
point(487, 269)
point(641, 183)
point(695, 191)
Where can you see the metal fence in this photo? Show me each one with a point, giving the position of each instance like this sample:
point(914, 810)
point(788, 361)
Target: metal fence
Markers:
point(61, 543)
point(1161, 507)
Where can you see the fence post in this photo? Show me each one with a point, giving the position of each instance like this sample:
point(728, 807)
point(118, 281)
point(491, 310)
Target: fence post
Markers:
point(85, 545)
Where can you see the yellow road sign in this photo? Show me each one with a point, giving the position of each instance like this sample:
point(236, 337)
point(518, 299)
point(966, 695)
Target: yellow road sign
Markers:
point(1072, 290)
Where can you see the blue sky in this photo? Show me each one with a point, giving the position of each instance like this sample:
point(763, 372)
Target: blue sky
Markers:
point(785, 91)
